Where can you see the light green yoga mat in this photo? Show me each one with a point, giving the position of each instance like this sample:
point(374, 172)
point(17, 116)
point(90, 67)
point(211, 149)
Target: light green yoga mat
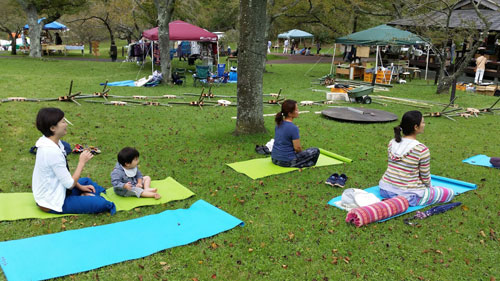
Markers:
point(15, 206)
point(263, 167)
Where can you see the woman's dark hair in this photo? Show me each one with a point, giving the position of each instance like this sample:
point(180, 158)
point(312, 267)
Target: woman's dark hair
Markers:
point(287, 107)
point(127, 155)
point(48, 117)
point(407, 125)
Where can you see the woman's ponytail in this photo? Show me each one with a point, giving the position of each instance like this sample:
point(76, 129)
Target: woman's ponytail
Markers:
point(279, 118)
point(397, 133)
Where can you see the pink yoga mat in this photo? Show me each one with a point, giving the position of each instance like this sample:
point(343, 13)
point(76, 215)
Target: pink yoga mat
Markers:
point(378, 211)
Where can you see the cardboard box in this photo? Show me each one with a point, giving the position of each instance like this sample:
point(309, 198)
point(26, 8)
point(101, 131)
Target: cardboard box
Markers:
point(486, 90)
point(363, 52)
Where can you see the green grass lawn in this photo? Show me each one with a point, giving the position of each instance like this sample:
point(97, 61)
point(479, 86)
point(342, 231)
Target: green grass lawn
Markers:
point(290, 233)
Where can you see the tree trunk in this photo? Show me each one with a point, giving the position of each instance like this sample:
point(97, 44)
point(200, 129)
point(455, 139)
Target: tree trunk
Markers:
point(251, 58)
point(35, 30)
point(165, 11)
point(12, 44)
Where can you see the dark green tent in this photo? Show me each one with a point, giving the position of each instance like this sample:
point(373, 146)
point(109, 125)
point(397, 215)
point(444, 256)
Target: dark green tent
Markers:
point(381, 35)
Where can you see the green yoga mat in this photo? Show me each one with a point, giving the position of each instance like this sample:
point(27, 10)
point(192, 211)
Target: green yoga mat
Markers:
point(16, 206)
point(263, 167)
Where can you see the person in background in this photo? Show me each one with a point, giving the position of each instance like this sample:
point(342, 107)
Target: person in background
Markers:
point(58, 39)
point(480, 67)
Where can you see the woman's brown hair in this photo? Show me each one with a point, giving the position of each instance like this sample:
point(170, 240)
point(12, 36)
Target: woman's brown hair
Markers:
point(287, 107)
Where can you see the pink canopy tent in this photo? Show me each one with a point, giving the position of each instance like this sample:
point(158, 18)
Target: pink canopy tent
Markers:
point(182, 31)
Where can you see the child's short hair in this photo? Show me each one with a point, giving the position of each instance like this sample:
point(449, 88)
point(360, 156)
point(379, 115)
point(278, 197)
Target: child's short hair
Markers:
point(127, 155)
point(48, 117)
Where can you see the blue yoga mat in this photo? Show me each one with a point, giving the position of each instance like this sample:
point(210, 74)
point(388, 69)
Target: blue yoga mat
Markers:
point(479, 160)
point(458, 186)
point(74, 251)
point(125, 83)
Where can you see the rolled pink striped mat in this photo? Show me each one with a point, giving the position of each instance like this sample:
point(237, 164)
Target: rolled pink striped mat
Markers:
point(377, 211)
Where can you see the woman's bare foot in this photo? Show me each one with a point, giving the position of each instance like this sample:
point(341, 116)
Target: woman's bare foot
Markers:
point(87, 194)
point(157, 196)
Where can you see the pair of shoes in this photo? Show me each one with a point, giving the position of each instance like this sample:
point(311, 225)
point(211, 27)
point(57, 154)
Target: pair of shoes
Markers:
point(79, 149)
point(94, 150)
point(262, 149)
point(336, 180)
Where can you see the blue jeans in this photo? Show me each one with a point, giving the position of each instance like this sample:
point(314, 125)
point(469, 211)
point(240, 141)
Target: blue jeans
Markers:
point(305, 158)
point(74, 203)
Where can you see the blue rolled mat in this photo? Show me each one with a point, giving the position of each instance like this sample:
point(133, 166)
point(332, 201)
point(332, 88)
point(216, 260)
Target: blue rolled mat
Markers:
point(479, 160)
point(74, 251)
point(125, 83)
point(458, 186)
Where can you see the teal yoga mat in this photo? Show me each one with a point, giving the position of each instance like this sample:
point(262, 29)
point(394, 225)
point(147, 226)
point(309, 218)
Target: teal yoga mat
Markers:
point(458, 186)
point(263, 167)
point(73, 251)
point(479, 160)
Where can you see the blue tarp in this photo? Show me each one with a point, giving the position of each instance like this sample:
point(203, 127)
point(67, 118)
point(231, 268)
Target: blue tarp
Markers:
point(73, 251)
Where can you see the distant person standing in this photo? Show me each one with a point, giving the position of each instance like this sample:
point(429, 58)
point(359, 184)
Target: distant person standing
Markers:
point(269, 44)
point(58, 39)
point(480, 67)
point(318, 47)
point(285, 46)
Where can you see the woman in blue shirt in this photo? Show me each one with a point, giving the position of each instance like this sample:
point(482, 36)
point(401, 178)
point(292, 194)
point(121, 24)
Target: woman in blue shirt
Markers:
point(287, 151)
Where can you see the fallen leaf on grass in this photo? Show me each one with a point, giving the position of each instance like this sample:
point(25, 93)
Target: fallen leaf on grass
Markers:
point(250, 250)
point(163, 263)
point(464, 208)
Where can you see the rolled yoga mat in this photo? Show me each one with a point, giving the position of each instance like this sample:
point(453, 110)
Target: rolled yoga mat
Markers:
point(264, 167)
point(16, 206)
point(458, 187)
point(377, 211)
point(73, 251)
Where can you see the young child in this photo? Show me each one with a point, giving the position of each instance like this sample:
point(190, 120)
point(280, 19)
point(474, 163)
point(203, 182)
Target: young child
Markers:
point(127, 180)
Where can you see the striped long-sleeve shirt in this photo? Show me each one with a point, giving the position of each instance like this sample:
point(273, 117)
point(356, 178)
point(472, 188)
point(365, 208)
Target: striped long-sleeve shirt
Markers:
point(409, 170)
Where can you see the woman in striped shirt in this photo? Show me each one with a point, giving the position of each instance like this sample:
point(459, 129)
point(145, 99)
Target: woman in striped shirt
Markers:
point(408, 171)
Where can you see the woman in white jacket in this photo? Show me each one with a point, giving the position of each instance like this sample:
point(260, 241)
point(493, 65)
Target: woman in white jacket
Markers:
point(55, 190)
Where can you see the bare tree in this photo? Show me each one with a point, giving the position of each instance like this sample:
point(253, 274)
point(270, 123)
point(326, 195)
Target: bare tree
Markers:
point(251, 57)
point(165, 11)
point(11, 21)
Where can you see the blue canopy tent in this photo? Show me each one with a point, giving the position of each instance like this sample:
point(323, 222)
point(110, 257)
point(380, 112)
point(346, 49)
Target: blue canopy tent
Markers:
point(296, 34)
point(50, 26)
